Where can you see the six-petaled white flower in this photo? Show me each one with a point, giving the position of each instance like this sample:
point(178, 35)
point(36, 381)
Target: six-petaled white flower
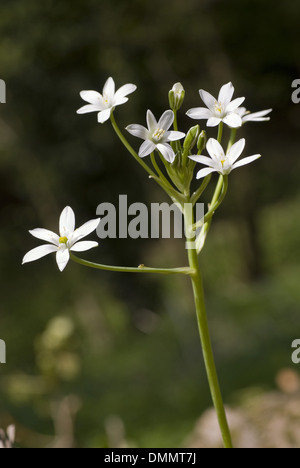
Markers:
point(219, 110)
point(106, 102)
point(157, 135)
point(221, 162)
point(262, 116)
point(68, 239)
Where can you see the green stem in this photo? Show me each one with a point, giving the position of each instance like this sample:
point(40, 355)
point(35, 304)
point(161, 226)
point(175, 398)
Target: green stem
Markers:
point(232, 138)
point(141, 269)
point(205, 335)
point(216, 202)
point(201, 189)
point(159, 172)
point(220, 132)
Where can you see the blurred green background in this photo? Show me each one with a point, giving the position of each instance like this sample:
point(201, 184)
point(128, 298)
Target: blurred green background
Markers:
point(97, 359)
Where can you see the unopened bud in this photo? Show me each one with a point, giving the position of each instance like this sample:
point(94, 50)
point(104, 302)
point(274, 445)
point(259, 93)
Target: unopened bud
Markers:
point(191, 138)
point(202, 140)
point(176, 96)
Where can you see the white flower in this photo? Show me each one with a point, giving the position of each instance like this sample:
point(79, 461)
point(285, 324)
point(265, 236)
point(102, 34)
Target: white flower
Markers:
point(221, 162)
point(256, 117)
point(106, 102)
point(219, 110)
point(157, 135)
point(68, 239)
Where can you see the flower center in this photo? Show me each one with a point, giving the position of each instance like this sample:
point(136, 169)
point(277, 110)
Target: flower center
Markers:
point(158, 134)
point(219, 108)
point(63, 240)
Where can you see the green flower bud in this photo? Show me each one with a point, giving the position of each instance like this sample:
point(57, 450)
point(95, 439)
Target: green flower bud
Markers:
point(191, 138)
point(176, 96)
point(202, 140)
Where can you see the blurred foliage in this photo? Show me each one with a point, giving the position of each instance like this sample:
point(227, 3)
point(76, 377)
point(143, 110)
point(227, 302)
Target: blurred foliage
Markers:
point(97, 359)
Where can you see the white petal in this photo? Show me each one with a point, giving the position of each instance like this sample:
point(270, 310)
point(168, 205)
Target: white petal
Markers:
point(167, 152)
point(92, 97)
point(214, 122)
point(199, 113)
point(151, 121)
point(83, 231)
point(174, 136)
point(104, 115)
point(215, 150)
point(83, 246)
point(166, 120)
point(109, 88)
point(89, 108)
point(232, 106)
point(258, 116)
point(125, 90)
point(147, 148)
point(39, 252)
point(245, 161)
point(45, 235)
point(120, 101)
point(233, 120)
point(203, 160)
point(138, 131)
point(236, 150)
point(62, 259)
point(208, 99)
point(205, 172)
point(67, 222)
point(226, 93)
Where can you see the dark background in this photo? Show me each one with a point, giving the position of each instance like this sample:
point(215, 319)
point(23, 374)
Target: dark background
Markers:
point(97, 359)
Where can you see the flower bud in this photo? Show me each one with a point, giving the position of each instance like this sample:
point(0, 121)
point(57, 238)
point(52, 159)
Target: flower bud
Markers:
point(176, 96)
point(202, 140)
point(191, 138)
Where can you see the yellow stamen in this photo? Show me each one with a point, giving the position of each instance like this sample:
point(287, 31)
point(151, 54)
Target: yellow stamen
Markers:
point(63, 240)
point(159, 134)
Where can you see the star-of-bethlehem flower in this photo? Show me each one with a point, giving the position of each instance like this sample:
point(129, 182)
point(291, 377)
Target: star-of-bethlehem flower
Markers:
point(221, 162)
point(106, 102)
point(157, 135)
point(255, 117)
point(219, 110)
point(68, 239)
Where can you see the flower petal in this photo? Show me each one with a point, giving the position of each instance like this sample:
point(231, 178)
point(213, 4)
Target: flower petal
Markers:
point(83, 231)
point(245, 161)
point(67, 222)
point(233, 120)
point(215, 150)
point(208, 99)
point(39, 252)
point(203, 160)
point(151, 121)
point(125, 90)
point(258, 116)
point(92, 97)
point(166, 120)
point(232, 106)
point(62, 259)
point(174, 136)
point(147, 148)
point(83, 246)
point(45, 235)
point(213, 122)
point(167, 152)
point(236, 151)
point(205, 172)
point(89, 108)
point(138, 131)
point(226, 93)
point(109, 88)
point(104, 115)
point(120, 101)
point(199, 113)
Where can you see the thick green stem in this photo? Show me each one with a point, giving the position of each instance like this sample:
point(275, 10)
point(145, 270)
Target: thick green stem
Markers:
point(204, 332)
point(220, 132)
point(141, 269)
